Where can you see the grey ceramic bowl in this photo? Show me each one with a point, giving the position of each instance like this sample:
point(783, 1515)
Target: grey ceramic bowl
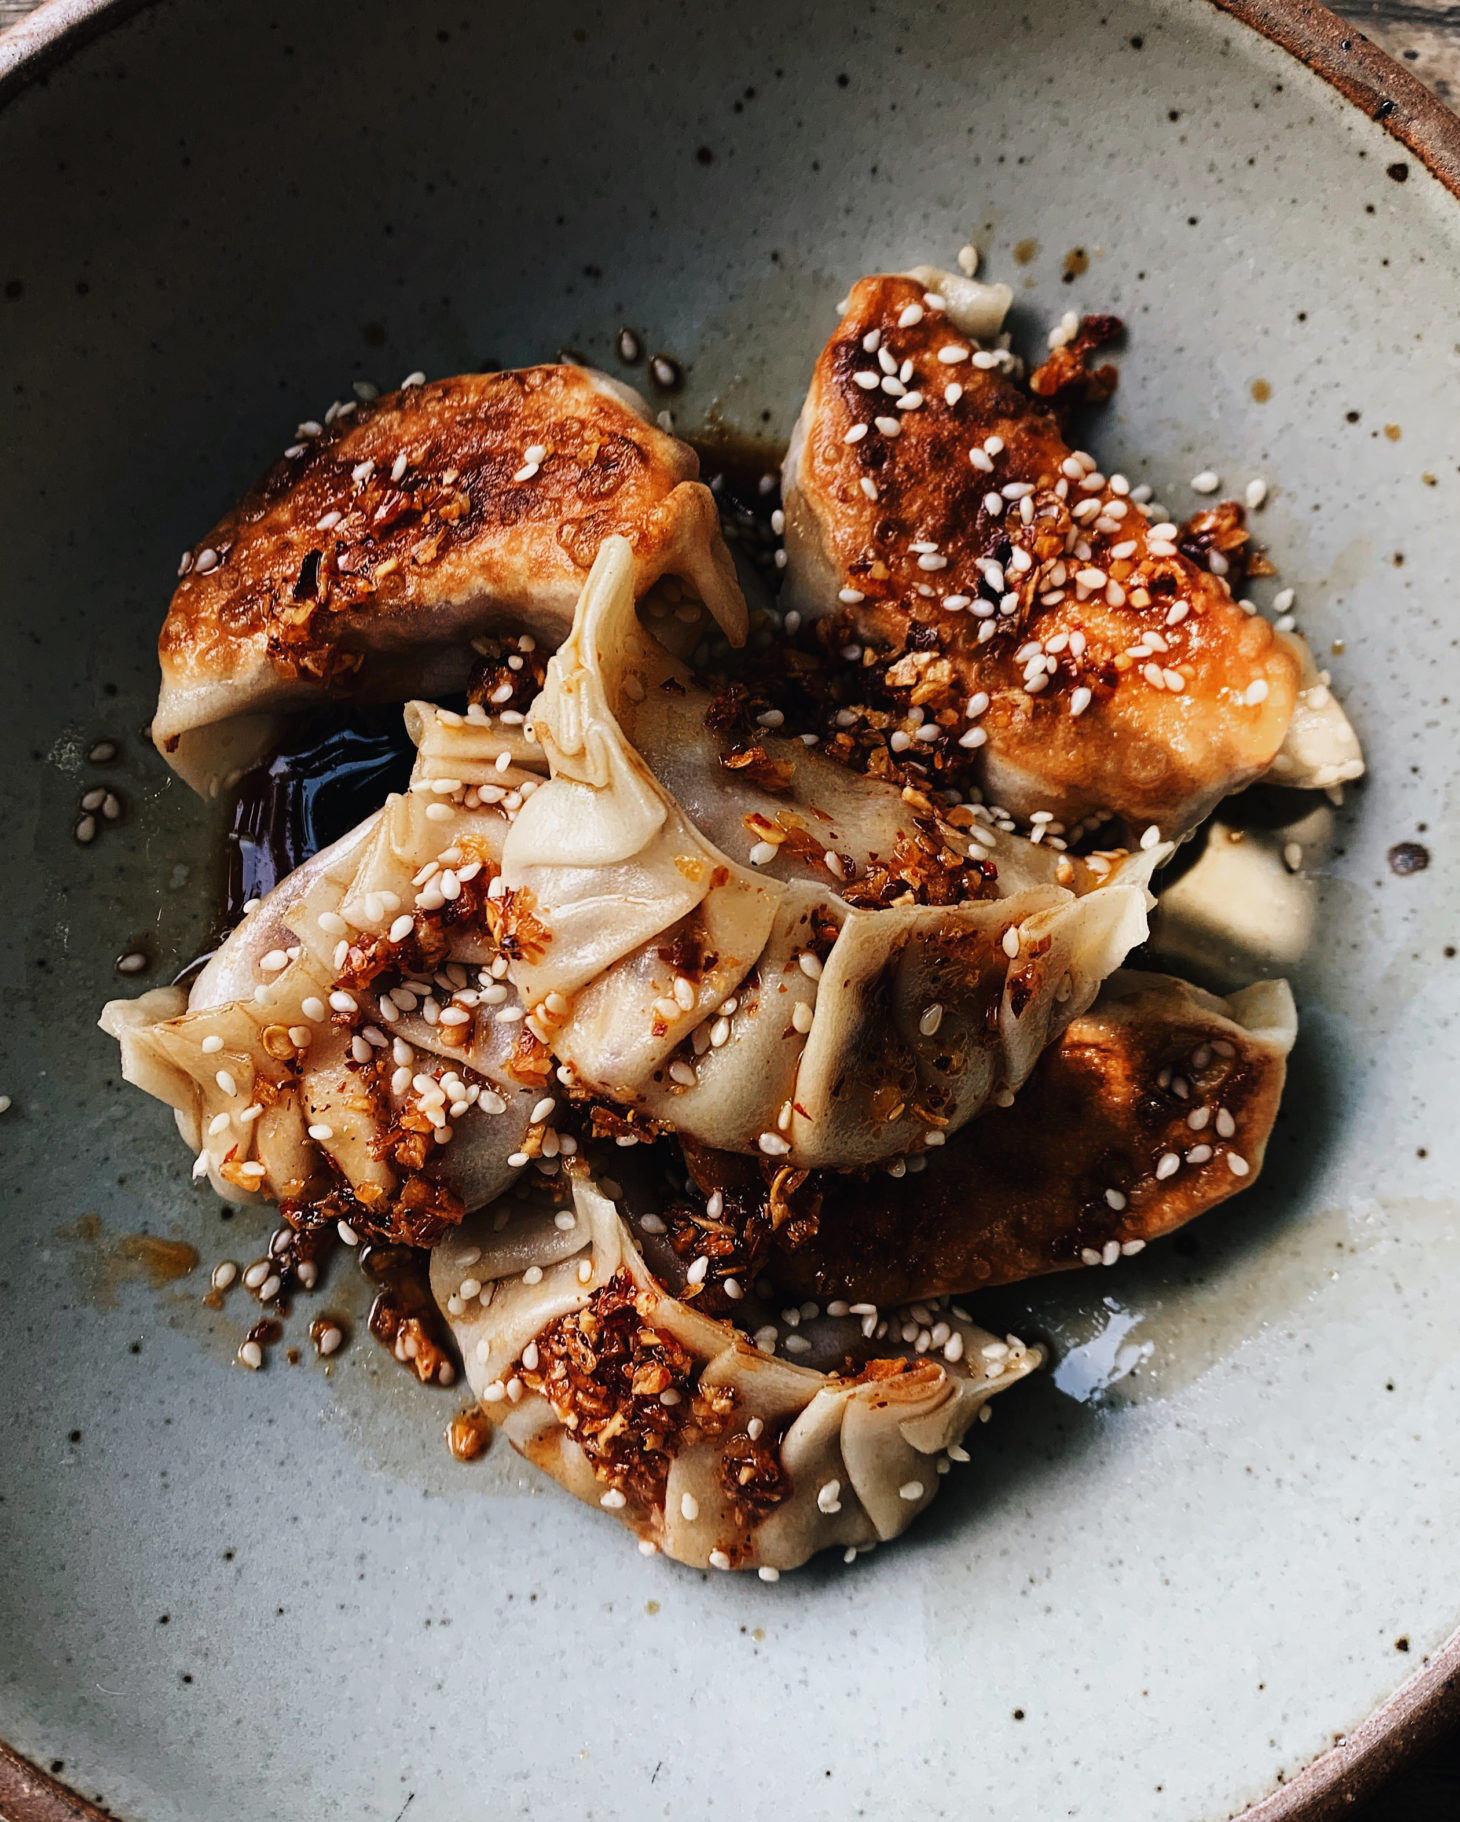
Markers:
point(1187, 1565)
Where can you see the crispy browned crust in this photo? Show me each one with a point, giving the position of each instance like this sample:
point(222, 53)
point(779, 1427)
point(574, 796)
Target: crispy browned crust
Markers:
point(1022, 1191)
point(1147, 753)
point(278, 603)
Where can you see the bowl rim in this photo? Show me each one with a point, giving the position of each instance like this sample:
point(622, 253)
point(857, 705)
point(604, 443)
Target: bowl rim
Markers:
point(1428, 1703)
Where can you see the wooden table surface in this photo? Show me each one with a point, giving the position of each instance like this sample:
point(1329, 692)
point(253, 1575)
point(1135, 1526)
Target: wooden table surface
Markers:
point(1424, 35)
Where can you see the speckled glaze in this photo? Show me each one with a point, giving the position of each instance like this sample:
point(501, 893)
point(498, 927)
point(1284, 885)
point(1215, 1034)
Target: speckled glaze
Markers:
point(1220, 1533)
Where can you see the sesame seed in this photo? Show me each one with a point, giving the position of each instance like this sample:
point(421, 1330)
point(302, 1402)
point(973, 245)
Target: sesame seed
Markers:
point(1150, 838)
point(1011, 941)
point(251, 1355)
point(1205, 482)
point(1167, 1166)
point(911, 315)
point(910, 1489)
point(1238, 1166)
point(773, 1145)
point(809, 964)
point(867, 380)
point(1115, 1199)
point(226, 1082)
point(930, 1021)
point(952, 354)
point(890, 427)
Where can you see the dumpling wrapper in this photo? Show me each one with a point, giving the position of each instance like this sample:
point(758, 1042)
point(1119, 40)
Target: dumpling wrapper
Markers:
point(900, 521)
point(367, 558)
point(287, 1049)
point(854, 1031)
point(1098, 1155)
point(855, 1458)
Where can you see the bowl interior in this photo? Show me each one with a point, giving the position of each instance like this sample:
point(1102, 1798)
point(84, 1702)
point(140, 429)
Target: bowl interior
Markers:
point(231, 1596)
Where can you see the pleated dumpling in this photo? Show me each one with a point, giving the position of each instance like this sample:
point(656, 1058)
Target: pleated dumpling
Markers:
point(708, 1448)
point(365, 561)
point(1162, 1098)
point(764, 951)
point(354, 1051)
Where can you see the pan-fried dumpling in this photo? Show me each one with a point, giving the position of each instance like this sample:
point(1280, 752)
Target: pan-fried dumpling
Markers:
point(707, 1447)
point(355, 1050)
point(1150, 1108)
point(936, 516)
point(367, 558)
point(764, 951)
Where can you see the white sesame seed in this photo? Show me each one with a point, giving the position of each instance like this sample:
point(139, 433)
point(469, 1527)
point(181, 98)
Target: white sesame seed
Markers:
point(251, 1355)
point(1205, 482)
point(910, 1489)
point(911, 315)
point(1010, 941)
point(1150, 838)
point(773, 1145)
point(1167, 1166)
point(1115, 1199)
point(1238, 1166)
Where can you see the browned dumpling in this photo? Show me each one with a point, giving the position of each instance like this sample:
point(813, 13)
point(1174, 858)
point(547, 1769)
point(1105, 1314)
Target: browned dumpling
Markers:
point(366, 559)
point(1152, 1107)
point(1075, 658)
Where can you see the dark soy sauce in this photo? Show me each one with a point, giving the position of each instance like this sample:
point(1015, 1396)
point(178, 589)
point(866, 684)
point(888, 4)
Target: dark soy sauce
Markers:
point(327, 774)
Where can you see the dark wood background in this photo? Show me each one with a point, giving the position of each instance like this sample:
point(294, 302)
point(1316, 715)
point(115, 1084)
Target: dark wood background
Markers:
point(1425, 36)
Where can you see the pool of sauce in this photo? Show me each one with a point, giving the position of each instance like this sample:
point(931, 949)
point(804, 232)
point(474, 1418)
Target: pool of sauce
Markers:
point(329, 772)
